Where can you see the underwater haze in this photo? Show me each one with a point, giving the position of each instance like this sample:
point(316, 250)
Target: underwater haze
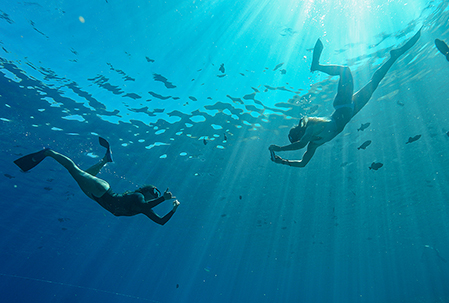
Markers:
point(190, 95)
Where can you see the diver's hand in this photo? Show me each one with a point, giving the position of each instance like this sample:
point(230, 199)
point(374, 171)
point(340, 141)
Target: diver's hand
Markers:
point(168, 195)
point(175, 205)
point(274, 148)
point(277, 159)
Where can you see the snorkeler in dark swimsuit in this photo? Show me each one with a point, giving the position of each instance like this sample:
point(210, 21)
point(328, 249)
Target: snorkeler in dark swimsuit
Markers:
point(315, 131)
point(140, 201)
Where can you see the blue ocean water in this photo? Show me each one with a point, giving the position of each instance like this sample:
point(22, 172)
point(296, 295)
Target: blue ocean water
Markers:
point(190, 94)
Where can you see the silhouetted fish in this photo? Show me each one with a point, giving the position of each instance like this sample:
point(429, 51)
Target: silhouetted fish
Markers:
point(413, 139)
point(222, 69)
point(364, 126)
point(225, 138)
point(442, 47)
point(344, 164)
point(375, 165)
point(277, 66)
point(204, 141)
point(436, 253)
point(364, 145)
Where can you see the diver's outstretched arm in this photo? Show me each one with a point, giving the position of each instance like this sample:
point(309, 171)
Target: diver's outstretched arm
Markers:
point(295, 145)
point(161, 220)
point(311, 148)
point(155, 202)
point(157, 219)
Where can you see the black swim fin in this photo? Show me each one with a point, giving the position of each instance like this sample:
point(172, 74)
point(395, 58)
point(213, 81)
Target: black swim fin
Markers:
point(105, 144)
point(29, 161)
point(317, 50)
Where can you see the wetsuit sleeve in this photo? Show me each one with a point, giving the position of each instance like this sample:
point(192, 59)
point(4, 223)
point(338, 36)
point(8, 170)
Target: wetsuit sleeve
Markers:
point(157, 201)
point(153, 216)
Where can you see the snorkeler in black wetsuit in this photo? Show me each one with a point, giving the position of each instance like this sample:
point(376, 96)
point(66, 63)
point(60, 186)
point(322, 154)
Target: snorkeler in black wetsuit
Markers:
point(315, 131)
point(140, 201)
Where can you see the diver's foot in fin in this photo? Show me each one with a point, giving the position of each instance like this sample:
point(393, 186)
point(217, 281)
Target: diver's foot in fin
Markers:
point(27, 162)
point(442, 47)
point(316, 55)
point(396, 53)
point(105, 144)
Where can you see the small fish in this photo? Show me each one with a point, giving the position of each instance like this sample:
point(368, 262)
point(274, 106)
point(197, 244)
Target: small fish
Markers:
point(8, 176)
point(177, 285)
point(375, 165)
point(277, 66)
point(442, 47)
point(225, 137)
point(364, 126)
point(364, 145)
point(204, 141)
point(413, 139)
point(344, 164)
point(222, 68)
point(447, 133)
point(240, 197)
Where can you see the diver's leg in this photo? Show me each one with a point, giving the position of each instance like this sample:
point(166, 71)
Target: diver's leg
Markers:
point(88, 183)
point(345, 84)
point(345, 88)
point(95, 169)
point(332, 70)
point(363, 95)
